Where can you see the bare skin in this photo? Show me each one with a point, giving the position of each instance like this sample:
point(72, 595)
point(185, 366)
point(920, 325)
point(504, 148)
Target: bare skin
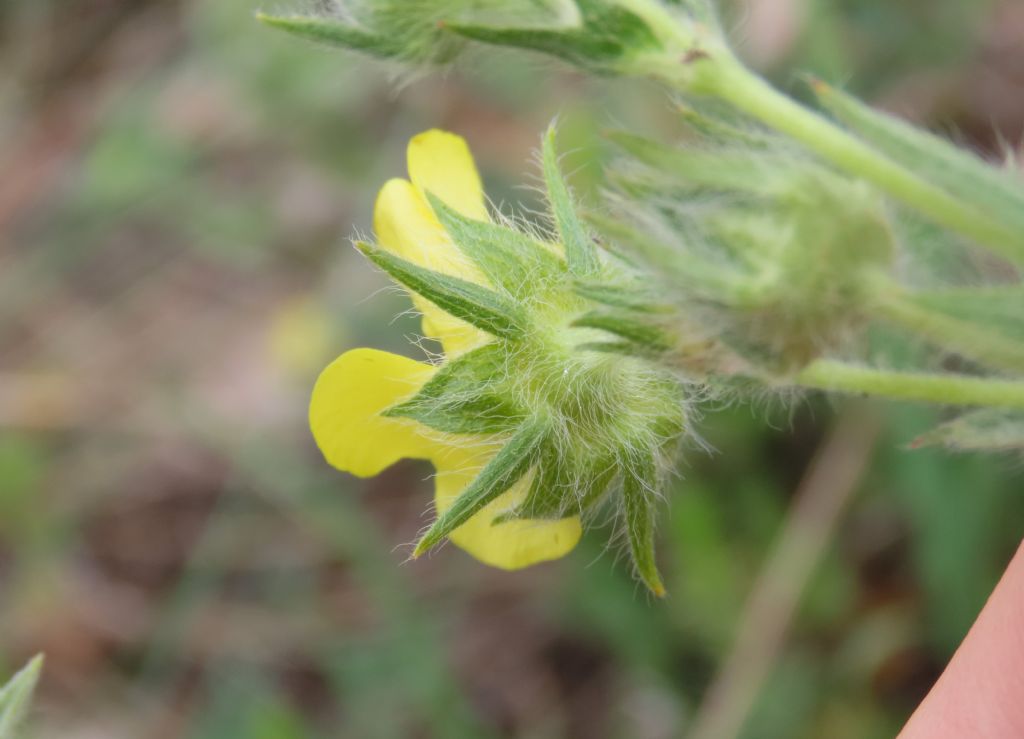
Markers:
point(981, 693)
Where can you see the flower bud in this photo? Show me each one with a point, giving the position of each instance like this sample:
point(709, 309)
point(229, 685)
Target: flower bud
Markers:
point(779, 253)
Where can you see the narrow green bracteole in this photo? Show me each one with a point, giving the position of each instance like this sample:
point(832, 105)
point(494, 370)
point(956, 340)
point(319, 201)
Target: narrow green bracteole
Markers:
point(639, 488)
point(487, 310)
point(580, 251)
point(503, 471)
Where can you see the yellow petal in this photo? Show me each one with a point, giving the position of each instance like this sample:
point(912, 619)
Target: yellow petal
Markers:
point(511, 545)
point(406, 226)
point(440, 163)
point(344, 412)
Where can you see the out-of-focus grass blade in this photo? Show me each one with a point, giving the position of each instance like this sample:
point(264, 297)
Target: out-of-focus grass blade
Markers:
point(16, 696)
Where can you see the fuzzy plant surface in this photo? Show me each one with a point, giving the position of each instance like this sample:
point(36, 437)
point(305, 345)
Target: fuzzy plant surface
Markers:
point(757, 252)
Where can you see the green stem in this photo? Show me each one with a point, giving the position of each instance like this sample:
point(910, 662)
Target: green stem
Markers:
point(725, 77)
point(944, 389)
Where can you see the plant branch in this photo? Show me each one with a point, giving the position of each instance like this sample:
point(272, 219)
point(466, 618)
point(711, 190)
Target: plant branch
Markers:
point(943, 389)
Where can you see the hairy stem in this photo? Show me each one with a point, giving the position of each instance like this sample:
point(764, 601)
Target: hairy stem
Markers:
point(943, 389)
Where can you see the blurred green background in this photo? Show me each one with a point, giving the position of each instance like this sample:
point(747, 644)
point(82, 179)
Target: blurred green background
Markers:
point(178, 185)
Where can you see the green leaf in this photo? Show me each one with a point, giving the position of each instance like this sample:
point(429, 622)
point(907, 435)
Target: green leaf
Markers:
point(639, 492)
point(333, 32)
point(474, 304)
point(606, 36)
point(562, 488)
point(461, 398)
point(16, 696)
point(991, 429)
point(510, 259)
point(998, 193)
point(636, 331)
point(500, 474)
point(580, 251)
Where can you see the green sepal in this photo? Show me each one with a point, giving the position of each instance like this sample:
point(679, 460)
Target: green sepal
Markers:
point(503, 471)
point(636, 298)
point(998, 193)
point(509, 259)
point(631, 245)
point(330, 31)
point(487, 310)
point(561, 488)
point(580, 250)
point(1000, 308)
point(983, 323)
point(728, 170)
point(625, 348)
point(16, 697)
point(460, 399)
point(634, 330)
point(991, 429)
point(710, 122)
point(639, 486)
point(606, 36)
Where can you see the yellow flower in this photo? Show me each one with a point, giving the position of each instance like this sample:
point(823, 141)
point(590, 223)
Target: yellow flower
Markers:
point(351, 395)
